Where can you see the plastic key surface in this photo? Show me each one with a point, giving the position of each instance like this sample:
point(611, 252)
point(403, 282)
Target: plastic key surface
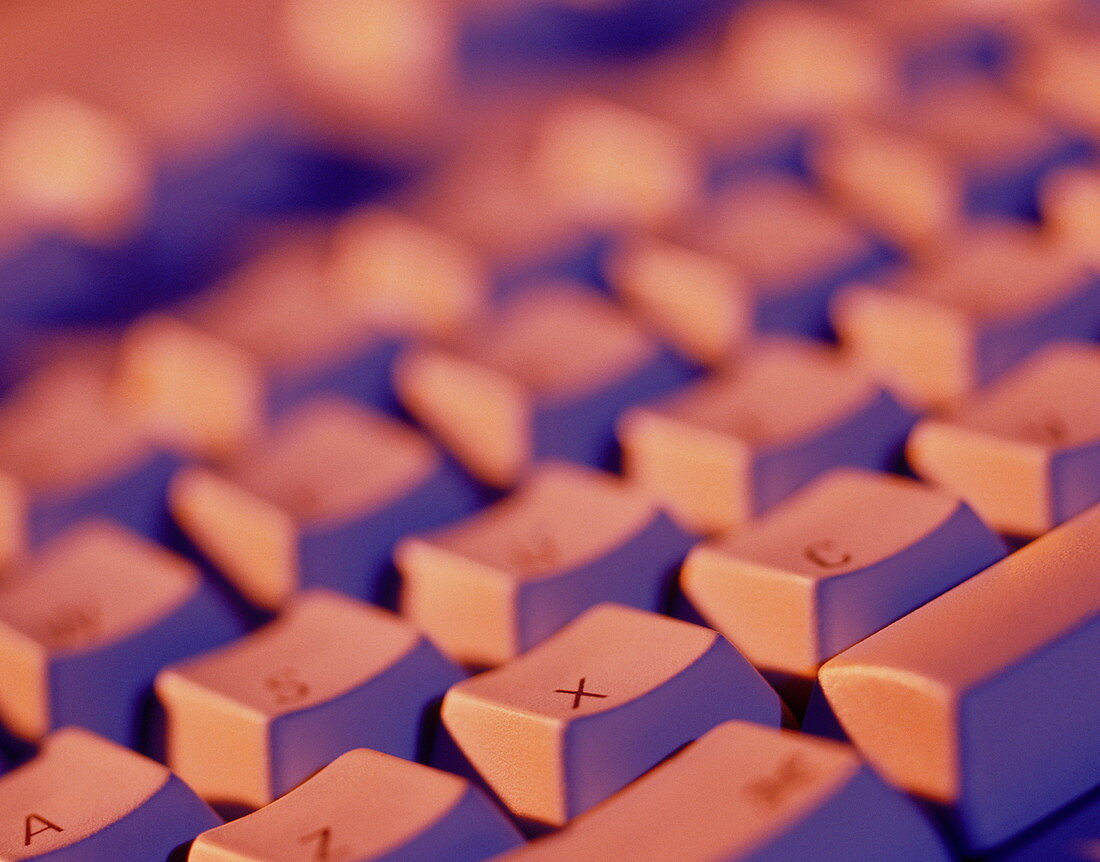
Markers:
point(983, 699)
point(837, 561)
point(86, 624)
point(368, 807)
point(1026, 452)
point(249, 721)
point(563, 726)
point(319, 502)
point(497, 583)
point(736, 443)
point(545, 378)
point(746, 793)
point(84, 799)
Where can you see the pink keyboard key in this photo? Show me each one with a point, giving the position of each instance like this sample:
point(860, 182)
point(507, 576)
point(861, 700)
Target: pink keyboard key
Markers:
point(499, 582)
point(561, 727)
point(741, 440)
point(369, 807)
point(249, 721)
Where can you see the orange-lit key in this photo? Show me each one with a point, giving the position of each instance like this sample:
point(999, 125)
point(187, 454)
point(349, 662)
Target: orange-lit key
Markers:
point(66, 453)
point(740, 441)
point(607, 165)
point(319, 502)
point(545, 378)
point(984, 699)
point(367, 806)
point(842, 558)
point(1070, 203)
point(86, 625)
point(745, 793)
point(967, 313)
point(1058, 67)
point(66, 164)
point(1025, 453)
point(504, 579)
point(248, 722)
point(85, 799)
point(591, 708)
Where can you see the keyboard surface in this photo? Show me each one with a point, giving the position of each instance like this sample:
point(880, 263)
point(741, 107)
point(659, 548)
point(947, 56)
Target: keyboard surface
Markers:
point(459, 430)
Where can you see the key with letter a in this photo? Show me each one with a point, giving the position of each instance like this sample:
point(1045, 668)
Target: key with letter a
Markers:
point(370, 807)
point(591, 708)
point(251, 720)
point(983, 700)
point(746, 793)
point(84, 799)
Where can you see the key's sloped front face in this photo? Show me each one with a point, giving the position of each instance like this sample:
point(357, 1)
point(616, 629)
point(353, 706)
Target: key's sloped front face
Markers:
point(250, 721)
point(85, 627)
point(85, 799)
point(847, 555)
point(498, 583)
point(746, 793)
point(560, 728)
point(1026, 452)
point(982, 700)
point(366, 806)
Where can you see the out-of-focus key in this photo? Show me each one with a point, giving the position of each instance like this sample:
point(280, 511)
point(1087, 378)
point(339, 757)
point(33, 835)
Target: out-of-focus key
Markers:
point(969, 312)
point(496, 584)
point(545, 378)
point(983, 700)
point(793, 248)
point(1070, 202)
point(86, 625)
point(248, 722)
point(319, 502)
point(367, 806)
point(1025, 453)
point(740, 441)
point(745, 793)
point(591, 708)
point(85, 799)
point(839, 560)
point(67, 454)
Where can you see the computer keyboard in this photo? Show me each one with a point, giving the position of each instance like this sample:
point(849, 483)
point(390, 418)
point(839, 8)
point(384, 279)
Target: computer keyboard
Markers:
point(566, 430)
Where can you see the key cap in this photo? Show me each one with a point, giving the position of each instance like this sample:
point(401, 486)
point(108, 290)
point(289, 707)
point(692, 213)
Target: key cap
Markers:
point(1070, 200)
point(592, 707)
point(249, 721)
point(320, 501)
point(86, 624)
point(546, 378)
point(366, 806)
point(968, 313)
point(496, 584)
point(794, 250)
point(85, 799)
point(746, 793)
point(738, 442)
point(68, 454)
point(1026, 452)
point(982, 699)
point(845, 556)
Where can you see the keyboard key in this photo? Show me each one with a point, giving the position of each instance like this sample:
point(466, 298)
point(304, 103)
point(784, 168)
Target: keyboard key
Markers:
point(86, 625)
point(70, 454)
point(1026, 452)
point(546, 378)
point(738, 442)
point(249, 721)
point(837, 561)
point(366, 806)
point(591, 708)
point(320, 501)
point(968, 313)
point(982, 699)
point(746, 793)
point(85, 799)
point(496, 584)
point(1070, 200)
